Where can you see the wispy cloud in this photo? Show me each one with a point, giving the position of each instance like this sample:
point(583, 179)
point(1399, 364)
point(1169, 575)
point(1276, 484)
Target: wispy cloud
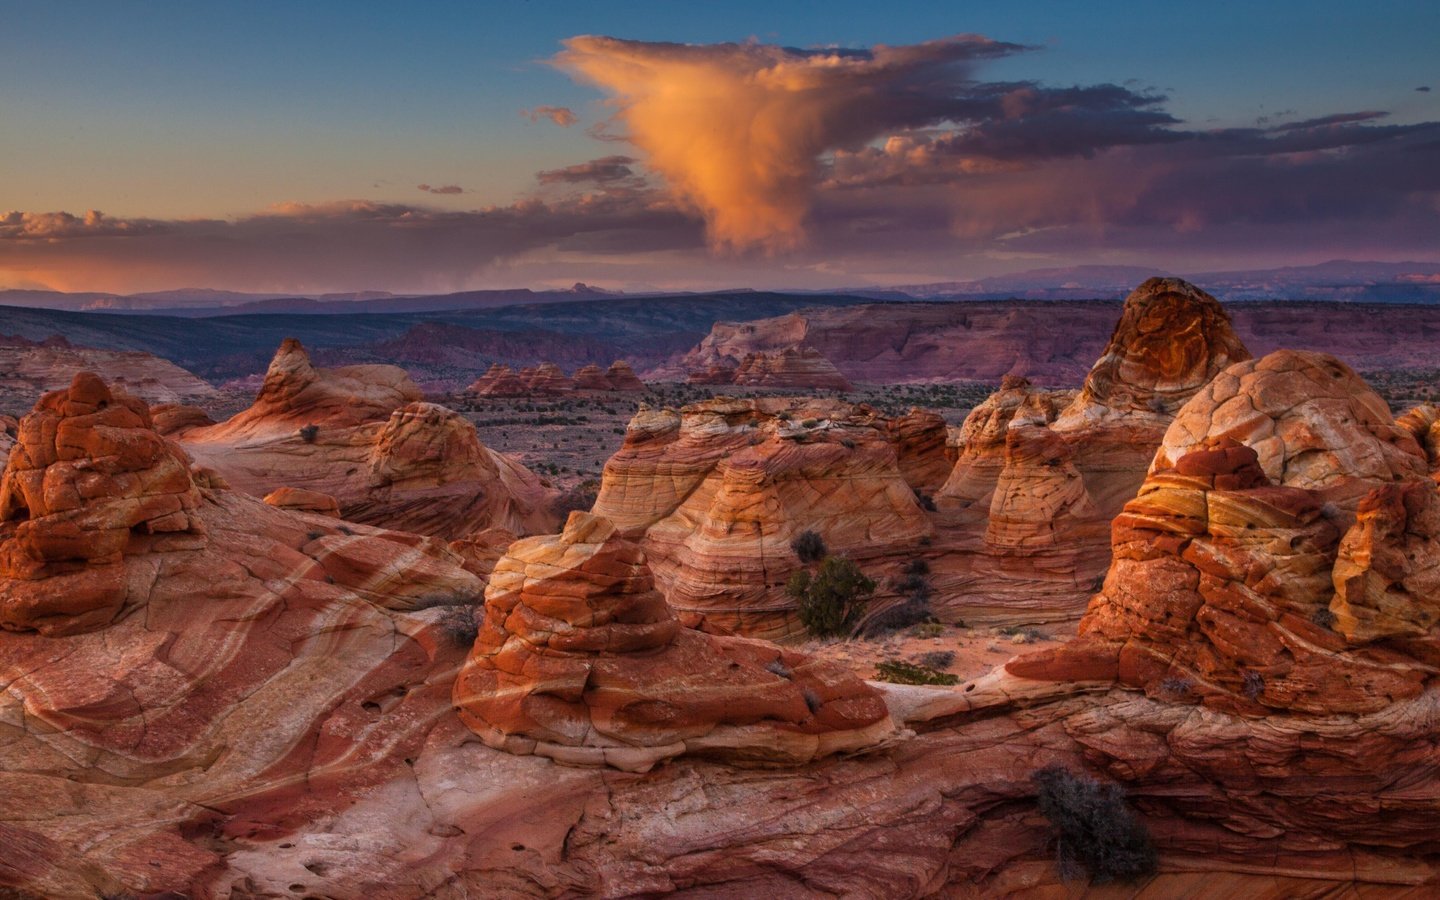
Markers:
point(440, 189)
point(604, 169)
point(560, 115)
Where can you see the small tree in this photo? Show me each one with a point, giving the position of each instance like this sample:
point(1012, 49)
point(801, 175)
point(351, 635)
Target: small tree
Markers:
point(309, 432)
point(809, 546)
point(829, 602)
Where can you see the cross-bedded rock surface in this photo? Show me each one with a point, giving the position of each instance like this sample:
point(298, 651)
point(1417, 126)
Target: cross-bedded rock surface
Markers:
point(717, 491)
point(1041, 474)
point(580, 659)
point(272, 717)
point(362, 435)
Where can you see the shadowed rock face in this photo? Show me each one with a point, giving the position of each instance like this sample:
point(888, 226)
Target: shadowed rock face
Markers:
point(716, 493)
point(1282, 556)
point(385, 459)
point(580, 659)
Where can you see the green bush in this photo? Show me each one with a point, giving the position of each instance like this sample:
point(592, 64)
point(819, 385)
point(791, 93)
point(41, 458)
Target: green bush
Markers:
point(898, 672)
point(829, 601)
point(809, 546)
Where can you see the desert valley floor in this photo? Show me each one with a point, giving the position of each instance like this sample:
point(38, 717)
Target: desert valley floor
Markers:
point(724, 597)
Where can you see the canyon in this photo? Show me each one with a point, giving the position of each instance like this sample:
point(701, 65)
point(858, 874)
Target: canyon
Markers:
point(334, 645)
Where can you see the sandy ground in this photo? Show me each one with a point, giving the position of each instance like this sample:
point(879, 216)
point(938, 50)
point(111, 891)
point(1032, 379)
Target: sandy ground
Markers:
point(975, 650)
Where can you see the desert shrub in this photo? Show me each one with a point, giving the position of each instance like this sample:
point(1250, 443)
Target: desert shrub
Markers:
point(809, 546)
point(460, 625)
point(812, 699)
point(913, 612)
point(1176, 686)
point(777, 666)
point(898, 672)
point(829, 602)
point(1253, 684)
point(926, 502)
point(917, 567)
point(928, 630)
point(1093, 828)
point(309, 432)
point(937, 659)
point(1323, 617)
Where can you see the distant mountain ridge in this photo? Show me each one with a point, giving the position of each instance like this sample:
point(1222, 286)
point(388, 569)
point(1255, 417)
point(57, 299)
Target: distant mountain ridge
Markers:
point(1338, 280)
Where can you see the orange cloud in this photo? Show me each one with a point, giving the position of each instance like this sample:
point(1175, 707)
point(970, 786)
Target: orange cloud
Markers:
point(560, 115)
point(737, 130)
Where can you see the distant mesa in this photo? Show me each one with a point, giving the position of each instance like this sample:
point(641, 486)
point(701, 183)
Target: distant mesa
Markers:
point(362, 436)
point(794, 368)
point(580, 659)
point(547, 378)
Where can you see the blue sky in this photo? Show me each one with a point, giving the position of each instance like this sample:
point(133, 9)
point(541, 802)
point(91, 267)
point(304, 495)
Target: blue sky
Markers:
point(183, 110)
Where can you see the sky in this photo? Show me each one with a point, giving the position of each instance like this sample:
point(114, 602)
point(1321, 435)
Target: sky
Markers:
point(335, 146)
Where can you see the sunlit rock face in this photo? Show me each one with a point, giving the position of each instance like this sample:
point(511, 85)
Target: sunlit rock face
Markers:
point(1040, 474)
point(580, 659)
point(361, 435)
point(272, 712)
point(100, 514)
point(1283, 553)
point(716, 492)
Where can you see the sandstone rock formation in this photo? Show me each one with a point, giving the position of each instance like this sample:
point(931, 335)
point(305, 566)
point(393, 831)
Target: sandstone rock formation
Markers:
point(100, 514)
point(299, 500)
point(712, 374)
point(1284, 553)
point(295, 394)
point(793, 367)
point(31, 368)
point(1035, 487)
point(274, 718)
point(364, 439)
point(980, 445)
point(623, 378)
point(173, 419)
point(9, 428)
point(547, 378)
point(716, 492)
point(580, 659)
point(922, 449)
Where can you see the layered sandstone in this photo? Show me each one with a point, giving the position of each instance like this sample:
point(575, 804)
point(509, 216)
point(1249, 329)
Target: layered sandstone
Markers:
point(275, 718)
point(1283, 553)
point(295, 394)
point(547, 378)
point(922, 449)
point(581, 660)
point(412, 466)
point(298, 500)
point(99, 514)
point(1036, 486)
point(30, 369)
point(717, 491)
point(980, 445)
point(791, 368)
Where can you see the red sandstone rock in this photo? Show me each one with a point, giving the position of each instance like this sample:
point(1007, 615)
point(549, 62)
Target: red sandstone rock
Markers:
point(580, 659)
point(623, 378)
point(920, 438)
point(1296, 571)
point(174, 419)
point(716, 493)
point(32, 368)
point(793, 367)
point(304, 501)
point(547, 378)
point(591, 378)
point(419, 467)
